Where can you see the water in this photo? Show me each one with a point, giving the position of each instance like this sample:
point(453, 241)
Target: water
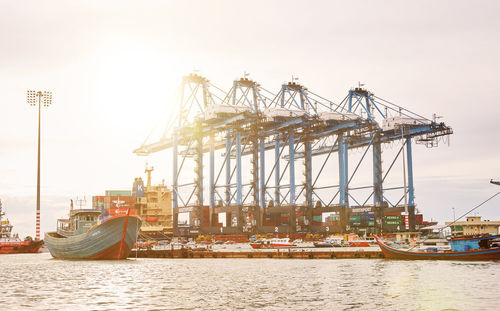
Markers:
point(38, 282)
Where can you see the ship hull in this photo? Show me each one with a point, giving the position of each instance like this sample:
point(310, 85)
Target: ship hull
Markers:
point(113, 239)
point(20, 247)
point(392, 253)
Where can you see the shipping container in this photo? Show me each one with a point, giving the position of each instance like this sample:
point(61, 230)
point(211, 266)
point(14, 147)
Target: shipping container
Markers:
point(333, 218)
point(121, 211)
point(393, 217)
point(354, 218)
point(151, 218)
point(121, 202)
point(419, 219)
point(392, 213)
point(124, 193)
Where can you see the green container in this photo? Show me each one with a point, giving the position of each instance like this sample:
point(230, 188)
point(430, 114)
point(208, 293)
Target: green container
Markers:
point(393, 217)
point(393, 222)
point(317, 218)
point(121, 193)
point(354, 218)
point(371, 223)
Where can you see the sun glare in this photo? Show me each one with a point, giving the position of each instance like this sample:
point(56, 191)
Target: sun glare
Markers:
point(134, 83)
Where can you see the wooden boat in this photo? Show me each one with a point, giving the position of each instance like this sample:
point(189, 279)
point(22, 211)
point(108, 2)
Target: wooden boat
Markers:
point(84, 236)
point(11, 243)
point(484, 247)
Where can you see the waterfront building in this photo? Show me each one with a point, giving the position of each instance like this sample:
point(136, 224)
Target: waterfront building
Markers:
point(474, 225)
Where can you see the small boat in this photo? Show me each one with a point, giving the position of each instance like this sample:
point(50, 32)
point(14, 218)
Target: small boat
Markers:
point(323, 244)
point(272, 243)
point(480, 247)
point(11, 243)
point(85, 236)
point(332, 241)
point(361, 243)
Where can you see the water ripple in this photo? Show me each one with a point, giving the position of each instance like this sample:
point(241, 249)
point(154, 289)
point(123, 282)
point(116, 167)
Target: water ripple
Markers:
point(37, 282)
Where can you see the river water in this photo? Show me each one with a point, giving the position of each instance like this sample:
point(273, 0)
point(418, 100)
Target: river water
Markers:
point(38, 282)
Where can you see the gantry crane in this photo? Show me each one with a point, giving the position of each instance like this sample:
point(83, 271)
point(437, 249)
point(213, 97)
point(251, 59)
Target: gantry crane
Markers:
point(250, 126)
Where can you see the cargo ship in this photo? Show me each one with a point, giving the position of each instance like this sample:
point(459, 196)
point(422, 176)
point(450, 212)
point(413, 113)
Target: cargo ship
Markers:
point(12, 244)
point(85, 235)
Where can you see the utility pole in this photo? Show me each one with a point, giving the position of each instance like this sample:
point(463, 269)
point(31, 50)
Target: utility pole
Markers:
point(32, 97)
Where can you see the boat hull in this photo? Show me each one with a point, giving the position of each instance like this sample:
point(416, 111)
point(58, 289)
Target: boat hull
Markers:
point(20, 247)
point(360, 243)
point(277, 245)
point(473, 255)
point(113, 239)
point(322, 244)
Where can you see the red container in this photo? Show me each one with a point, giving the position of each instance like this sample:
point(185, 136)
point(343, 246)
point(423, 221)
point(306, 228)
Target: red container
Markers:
point(121, 211)
point(151, 218)
point(419, 219)
point(120, 202)
point(392, 214)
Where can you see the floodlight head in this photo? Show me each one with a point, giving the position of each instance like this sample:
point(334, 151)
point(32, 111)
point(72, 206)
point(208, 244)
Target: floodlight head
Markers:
point(47, 98)
point(31, 97)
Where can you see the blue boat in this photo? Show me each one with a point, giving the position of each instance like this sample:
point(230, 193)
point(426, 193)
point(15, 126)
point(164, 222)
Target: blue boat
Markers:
point(85, 236)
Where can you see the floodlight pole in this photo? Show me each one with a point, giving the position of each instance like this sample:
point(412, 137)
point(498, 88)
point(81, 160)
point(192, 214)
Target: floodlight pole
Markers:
point(37, 236)
point(47, 100)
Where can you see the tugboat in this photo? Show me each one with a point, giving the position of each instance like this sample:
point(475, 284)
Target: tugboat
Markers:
point(12, 244)
point(86, 236)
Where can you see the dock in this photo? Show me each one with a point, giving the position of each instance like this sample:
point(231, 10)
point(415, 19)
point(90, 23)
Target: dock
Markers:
point(275, 253)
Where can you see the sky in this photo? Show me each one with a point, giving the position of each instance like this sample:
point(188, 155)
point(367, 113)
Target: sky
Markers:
point(113, 66)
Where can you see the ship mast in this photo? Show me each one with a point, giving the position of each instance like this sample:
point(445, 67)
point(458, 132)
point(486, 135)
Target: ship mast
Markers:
point(148, 171)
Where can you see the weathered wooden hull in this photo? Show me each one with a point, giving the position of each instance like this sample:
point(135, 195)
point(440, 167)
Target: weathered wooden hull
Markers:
point(20, 247)
point(393, 253)
point(113, 239)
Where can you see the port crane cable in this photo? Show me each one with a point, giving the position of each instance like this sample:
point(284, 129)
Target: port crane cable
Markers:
point(455, 220)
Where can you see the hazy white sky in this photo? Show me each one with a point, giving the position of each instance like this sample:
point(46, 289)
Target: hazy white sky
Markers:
point(113, 65)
